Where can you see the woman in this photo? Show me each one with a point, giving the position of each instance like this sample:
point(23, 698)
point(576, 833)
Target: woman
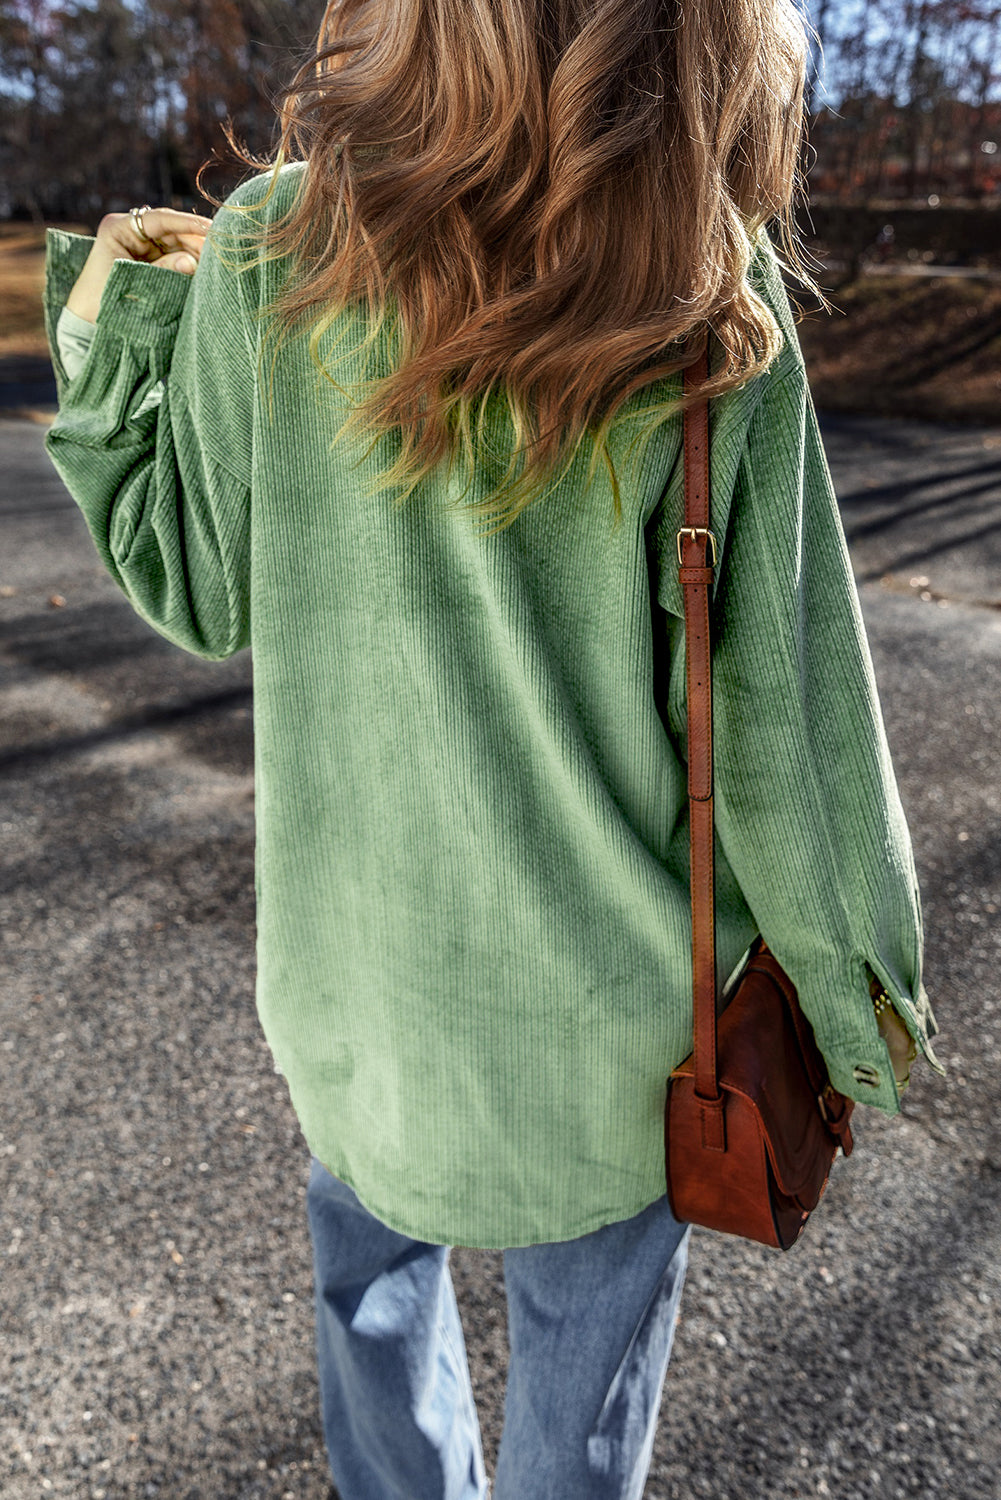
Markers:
point(512, 226)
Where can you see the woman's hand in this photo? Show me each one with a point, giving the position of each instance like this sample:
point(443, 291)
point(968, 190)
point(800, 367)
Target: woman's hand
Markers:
point(900, 1045)
point(174, 244)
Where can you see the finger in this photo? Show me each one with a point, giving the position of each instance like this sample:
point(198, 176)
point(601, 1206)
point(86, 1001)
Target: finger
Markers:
point(171, 245)
point(177, 260)
point(193, 241)
point(162, 228)
point(117, 238)
point(158, 222)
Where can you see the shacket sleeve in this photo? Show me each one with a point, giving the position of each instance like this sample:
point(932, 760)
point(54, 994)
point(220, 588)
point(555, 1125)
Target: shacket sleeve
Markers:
point(154, 435)
point(807, 807)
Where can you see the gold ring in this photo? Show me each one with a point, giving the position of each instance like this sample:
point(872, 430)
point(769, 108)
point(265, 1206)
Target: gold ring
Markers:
point(136, 215)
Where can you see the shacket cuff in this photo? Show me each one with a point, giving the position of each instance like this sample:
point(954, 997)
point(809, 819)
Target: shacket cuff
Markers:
point(858, 1060)
point(138, 310)
point(909, 999)
point(862, 1070)
point(919, 1018)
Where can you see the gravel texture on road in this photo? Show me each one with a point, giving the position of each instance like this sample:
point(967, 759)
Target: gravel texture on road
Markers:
point(155, 1290)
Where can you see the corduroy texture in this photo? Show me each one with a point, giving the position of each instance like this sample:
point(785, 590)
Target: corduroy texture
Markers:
point(473, 911)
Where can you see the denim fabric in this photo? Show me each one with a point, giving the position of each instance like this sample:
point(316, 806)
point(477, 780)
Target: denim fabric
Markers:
point(591, 1323)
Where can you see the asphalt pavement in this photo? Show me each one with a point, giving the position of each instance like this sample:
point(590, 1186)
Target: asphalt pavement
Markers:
point(155, 1292)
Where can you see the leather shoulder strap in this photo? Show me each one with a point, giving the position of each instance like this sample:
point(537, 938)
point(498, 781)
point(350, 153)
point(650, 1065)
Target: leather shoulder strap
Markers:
point(697, 559)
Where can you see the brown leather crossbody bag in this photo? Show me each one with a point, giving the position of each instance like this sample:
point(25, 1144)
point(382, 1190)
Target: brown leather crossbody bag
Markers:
point(752, 1122)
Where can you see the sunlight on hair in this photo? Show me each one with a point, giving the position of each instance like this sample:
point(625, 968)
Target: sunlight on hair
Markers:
point(538, 210)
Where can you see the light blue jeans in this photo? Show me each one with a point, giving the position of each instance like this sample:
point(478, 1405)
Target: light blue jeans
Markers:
point(591, 1322)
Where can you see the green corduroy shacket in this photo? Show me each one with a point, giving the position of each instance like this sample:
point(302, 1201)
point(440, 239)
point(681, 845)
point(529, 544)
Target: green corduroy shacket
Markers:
point(472, 829)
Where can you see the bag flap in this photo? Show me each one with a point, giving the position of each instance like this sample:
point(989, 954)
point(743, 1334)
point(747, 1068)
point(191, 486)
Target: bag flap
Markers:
point(761, 1055)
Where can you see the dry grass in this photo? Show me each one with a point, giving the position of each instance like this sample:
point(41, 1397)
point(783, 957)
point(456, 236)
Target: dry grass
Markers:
point(22, 275)
point(22, 264)
point(897, 345)
point(900, 346)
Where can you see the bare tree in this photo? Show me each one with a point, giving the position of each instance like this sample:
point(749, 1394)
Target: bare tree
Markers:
point(103, 100)
point(911, 89)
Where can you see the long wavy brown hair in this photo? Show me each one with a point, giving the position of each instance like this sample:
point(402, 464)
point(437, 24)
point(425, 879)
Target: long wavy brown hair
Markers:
point(545, 202)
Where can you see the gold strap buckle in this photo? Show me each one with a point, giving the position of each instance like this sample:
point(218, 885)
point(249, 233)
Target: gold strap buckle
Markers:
point(695, 532)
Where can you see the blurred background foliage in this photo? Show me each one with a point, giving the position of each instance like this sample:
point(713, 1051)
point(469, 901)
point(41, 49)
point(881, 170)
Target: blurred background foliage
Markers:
point(104, 101)
point(109, 103)
point(905, 99)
